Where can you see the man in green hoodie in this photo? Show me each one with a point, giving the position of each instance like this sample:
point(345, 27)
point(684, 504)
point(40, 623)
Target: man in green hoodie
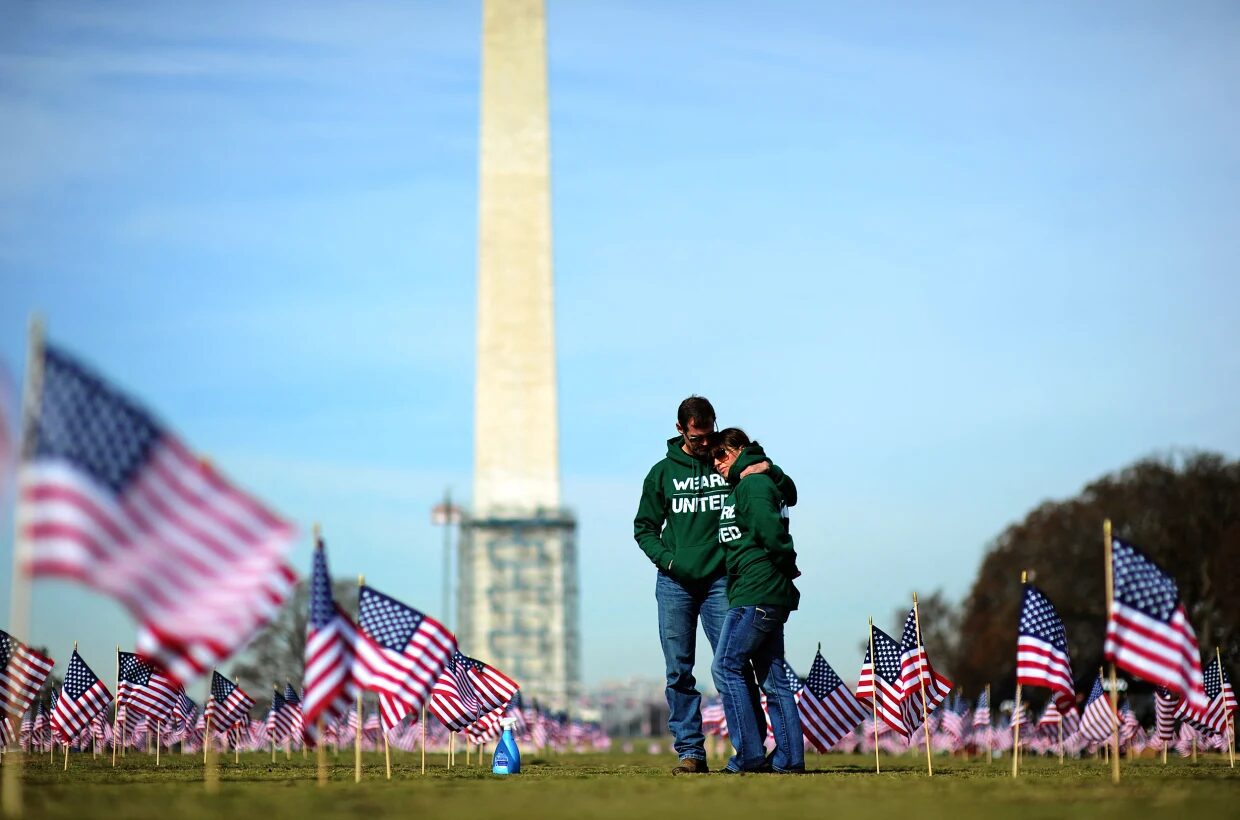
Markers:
point(677, 526)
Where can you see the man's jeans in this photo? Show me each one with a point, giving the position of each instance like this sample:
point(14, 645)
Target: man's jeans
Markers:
point(752, 643)
point(680, 606)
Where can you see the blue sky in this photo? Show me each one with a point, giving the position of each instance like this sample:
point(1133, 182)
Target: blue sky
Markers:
point(944, 260)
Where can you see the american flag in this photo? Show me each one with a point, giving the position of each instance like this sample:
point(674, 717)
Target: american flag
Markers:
point(454, 698)
point(883, 676)
point(399, 653)
point(953, 722)
point(1042, 648)
point(1020, 714)
point(981, 714)
point(494, 688)
point(828, 710)
point(282, 719)
point(330, 688)
point(228, 703)
point(1222, 697)
point(293, 705)
point(1051, 716)
point(1127, 722)
point(145, 689)
point(82, 697)
point(186, 711)
point(111, 499)
point(914, 668)
point(1165, 705)
point(22, 672)
point(713, 719)
point(1148, 633)
point(1098, 719)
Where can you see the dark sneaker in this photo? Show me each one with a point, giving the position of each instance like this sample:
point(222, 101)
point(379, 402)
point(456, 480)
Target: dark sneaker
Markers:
point(691, 765)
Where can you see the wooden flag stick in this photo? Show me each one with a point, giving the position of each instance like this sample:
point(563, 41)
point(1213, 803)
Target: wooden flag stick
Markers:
point(990, 740)
point(424, 738)
point(1110, 585)
point(1024, 579)
point(320, 750)
point(116, 704)
point(357, 737)
point(19, 589)
point(451, 748)
point(874, 698)
point(1229, 723)
point(275, 687)
point(211, 770)
point(387, 752)
point(1061, 739)
point(921, 678)
point(157, 743)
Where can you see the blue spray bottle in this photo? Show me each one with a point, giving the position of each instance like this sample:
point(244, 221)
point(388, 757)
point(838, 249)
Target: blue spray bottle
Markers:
point(507, 759)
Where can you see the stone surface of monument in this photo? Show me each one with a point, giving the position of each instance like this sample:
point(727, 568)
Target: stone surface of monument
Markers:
point(517, 569)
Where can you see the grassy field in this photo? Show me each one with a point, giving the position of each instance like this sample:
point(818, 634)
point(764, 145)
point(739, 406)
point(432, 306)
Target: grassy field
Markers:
point(627, 785)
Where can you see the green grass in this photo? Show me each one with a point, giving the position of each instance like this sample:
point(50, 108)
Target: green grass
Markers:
point(626, 785)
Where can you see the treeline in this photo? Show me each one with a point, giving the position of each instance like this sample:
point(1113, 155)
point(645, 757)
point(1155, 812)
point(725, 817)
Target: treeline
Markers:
point(1184, 510)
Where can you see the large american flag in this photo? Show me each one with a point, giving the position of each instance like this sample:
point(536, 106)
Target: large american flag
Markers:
point(399, 653)
point(828, 710)
point(914, 668)
point(1042, 649)
point(22, 672)
point(144, 689)
point(329, 684)
point(113, 500)
point(1098, 720)
point(82, 697)
point(883, 676)
point(228, 704)
point(1148, 633)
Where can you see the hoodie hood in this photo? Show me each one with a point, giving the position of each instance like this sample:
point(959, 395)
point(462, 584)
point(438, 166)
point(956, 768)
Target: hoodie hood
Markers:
point(676, 452)
point(751, 455)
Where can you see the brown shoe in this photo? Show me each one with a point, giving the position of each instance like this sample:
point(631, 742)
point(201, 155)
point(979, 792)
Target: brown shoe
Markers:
point(691, 765)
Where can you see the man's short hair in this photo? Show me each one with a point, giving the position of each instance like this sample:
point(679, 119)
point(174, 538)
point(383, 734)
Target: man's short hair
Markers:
point(696, 408)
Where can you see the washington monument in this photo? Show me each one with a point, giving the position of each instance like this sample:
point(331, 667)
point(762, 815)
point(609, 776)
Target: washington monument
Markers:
point(518, 567)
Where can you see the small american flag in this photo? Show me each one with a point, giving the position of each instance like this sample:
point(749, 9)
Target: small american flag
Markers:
point(22, 672)
point(494, 688)
point(914, 668)
point(330, 636)
point(1042, 648)
point(282, 719)
point(1222, 697)
point(981, 714)
point(293, 705)
point(111, 499)
point(1098, 719)
point(1051, 716)
point(186, 711)
point(454, 699)
point(228, 703)
point(399, 653)
point(883, 677)
point(1148, 633)
point(828, 710)
point(1165, 705)
point(82, 697)
point(145, 689)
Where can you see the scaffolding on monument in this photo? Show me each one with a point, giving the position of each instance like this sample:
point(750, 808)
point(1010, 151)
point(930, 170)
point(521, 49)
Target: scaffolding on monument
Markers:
point(518, 596)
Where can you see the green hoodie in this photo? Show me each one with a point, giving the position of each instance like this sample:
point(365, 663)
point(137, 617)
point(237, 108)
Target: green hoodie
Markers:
point(753, 529)
point(677, 523)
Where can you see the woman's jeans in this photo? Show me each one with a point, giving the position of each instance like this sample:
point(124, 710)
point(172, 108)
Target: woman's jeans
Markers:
point(751, 650)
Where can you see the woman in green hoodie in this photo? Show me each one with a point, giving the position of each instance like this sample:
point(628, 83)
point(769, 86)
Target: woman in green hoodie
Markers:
point(761, 563)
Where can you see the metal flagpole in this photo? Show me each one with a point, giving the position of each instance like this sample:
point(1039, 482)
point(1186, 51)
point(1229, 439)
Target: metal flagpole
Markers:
point(921, 677)
point(1110, 584)
point(19, 594)
point(874, 696)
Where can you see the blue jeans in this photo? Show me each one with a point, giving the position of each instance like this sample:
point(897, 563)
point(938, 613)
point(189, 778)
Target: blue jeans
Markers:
point(751, 649)
point(680, 606)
